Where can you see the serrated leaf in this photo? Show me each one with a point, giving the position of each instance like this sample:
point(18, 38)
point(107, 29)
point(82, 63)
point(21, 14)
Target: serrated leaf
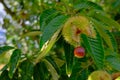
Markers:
point(113, 40)
point(87, 5)
point(5, 49)
point(46, 16)
point(52, 70)
point(108, 21)
point(26, 68)
point(68, 49)
point(49, 18)
point(95, 49)
point(51, 27)
point(114, 62)
point(4, 75)
point(103, 34)
point(40, 71)
point(14, 61)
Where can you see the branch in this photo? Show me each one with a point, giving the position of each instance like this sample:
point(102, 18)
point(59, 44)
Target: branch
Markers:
point(7, 9)
point(13, 14)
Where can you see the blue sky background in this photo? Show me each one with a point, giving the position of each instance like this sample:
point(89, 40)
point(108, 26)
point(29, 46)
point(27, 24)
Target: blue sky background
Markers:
point(2, 31)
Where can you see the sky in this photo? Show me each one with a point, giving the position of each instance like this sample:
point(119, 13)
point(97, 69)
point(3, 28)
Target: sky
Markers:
point(2, 13)
point(1, 6)
point(2, 31)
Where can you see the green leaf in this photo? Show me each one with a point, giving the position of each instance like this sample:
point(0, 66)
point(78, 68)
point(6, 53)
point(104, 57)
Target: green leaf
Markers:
point(52, 70)
point(108, 51)
point(51, 60)
point(32, 33)
point(95, 49)
point(79, 76)
point(113, 40)
point(40, 72)
point(14, 61)
point(16, 75)
point(53, 26)
point(114, 62)
point(76, 1)
point(46, 16)
point(116, 4)
point(4, 75)
point(47, 46)
point(107, 38)
point(69, 58)
point(87, 5)
point(59, 61)
point(5, 49)
point(118, 78)
point(26, 68)
point(108, 21)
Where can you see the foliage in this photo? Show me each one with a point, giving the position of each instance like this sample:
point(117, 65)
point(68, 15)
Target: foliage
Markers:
point(43, 49)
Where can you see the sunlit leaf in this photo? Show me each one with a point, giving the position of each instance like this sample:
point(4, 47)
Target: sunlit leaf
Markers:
point(46, 47)
point(108, 21)
point(107, 38)
point(118, 78)
point(4, 68)
point(30, 34)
